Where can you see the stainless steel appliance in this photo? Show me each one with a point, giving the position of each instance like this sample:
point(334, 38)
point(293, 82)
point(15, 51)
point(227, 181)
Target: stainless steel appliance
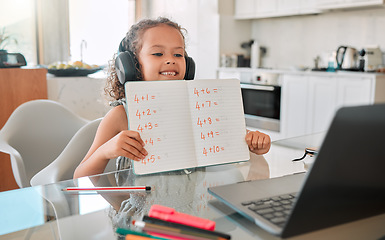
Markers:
point(373, 58)
point(262, 101)
point(347, 59)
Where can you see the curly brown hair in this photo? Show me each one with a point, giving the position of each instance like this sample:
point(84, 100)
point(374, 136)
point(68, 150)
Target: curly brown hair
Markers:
point(132, 42)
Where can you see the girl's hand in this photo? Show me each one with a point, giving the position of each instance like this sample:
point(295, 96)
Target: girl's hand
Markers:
point(127, 144)
point(259, 143)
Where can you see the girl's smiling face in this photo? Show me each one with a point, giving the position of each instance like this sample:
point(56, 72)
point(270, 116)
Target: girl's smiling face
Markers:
point(161, 56)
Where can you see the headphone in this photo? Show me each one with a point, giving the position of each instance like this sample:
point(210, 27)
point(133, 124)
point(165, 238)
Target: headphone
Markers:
point(127, 65)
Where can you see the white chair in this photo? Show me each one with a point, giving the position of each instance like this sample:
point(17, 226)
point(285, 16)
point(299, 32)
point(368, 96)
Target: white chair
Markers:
point(63, 167)
point(35, 134)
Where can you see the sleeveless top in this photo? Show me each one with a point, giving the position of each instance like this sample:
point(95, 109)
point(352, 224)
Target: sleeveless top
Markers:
point(121, 162)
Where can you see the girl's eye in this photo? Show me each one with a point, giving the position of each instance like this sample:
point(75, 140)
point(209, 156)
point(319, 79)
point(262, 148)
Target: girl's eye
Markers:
point(157, 54)
point(178, 55)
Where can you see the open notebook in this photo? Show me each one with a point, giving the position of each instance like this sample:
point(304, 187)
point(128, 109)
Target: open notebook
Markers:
point(187, 124)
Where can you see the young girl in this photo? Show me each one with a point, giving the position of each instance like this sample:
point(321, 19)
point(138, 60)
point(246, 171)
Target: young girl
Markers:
point(159, 47)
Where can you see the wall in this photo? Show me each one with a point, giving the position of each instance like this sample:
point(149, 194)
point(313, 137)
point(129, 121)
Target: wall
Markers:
point(102, 25)
point(20, 23)
point(201, 20)
point(297, 40)
point(232, 32)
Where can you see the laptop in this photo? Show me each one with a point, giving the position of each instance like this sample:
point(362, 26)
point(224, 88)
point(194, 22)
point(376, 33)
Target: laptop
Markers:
point(345, 183)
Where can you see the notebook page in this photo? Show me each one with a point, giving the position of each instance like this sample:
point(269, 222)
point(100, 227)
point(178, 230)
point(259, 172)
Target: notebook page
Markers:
point(218, 121)
point(159, 111)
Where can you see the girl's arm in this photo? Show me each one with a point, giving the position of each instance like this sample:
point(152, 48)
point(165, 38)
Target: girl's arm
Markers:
point(259, 143)
point(112, 140)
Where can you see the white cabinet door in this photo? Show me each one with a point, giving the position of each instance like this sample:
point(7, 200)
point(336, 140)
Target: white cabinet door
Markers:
point(355, 91)
point(322, 103)
point(285, 6)
point(265, 6)
point(331, 4)
point(245, 8)
point(294, 100)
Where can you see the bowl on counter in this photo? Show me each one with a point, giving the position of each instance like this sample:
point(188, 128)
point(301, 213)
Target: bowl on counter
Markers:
point(73, 72)
point(72, 69)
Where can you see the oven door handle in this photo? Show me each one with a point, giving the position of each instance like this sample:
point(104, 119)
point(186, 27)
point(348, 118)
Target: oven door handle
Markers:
point(257, 87)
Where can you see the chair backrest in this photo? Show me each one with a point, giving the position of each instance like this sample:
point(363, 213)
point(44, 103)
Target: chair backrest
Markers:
point(35, 134)
point(63, 167)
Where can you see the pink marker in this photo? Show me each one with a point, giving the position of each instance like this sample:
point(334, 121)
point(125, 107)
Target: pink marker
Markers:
point(170, 215)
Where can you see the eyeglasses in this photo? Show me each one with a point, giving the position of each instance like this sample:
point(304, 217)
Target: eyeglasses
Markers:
point(308, 151)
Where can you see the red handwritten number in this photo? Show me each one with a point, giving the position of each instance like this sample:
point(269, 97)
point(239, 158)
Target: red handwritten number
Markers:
point(138, 114)
point(197, 106)
point(199, 123)
point(203, 136)
point(136, 99)
point(204, 151)
point(217, 148)
point(196, 92)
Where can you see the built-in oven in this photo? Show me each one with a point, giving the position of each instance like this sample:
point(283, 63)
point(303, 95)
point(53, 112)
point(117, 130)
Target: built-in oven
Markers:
point(262, 101)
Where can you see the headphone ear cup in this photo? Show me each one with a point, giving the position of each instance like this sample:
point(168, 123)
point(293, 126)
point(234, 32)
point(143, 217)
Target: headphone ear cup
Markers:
point(190, 68)
point(126, 67)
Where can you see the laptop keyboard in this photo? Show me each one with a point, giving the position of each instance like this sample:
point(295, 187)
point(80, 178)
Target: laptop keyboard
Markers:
point(274, 209)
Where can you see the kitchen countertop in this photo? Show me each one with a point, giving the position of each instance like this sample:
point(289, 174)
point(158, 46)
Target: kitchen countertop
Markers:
point(83, 95)
point(299, 72)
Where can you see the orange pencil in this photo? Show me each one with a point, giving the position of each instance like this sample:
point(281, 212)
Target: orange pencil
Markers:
point(137, 237)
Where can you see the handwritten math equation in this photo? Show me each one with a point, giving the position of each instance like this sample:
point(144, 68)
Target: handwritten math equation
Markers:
point(146, 126)
point(205, 98)
point(205, 101)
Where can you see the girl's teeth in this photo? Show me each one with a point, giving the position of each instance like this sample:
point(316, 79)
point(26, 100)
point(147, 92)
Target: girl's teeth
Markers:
point(168, 73)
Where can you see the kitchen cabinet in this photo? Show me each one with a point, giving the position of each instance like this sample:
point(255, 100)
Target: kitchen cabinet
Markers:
point(309, 102)
point(254, 9)
point(18, 86)
point(82, 95)
point(322, 102)
point(335, 4)
point(265, 7)
point(244, 8)
point(294, 100)
point(355, 91)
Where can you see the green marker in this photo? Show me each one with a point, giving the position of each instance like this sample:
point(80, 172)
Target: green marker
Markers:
point(123, 231)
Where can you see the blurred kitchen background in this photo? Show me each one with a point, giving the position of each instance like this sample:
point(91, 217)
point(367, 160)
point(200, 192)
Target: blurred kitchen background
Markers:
point(293, 33)
point(289, 45)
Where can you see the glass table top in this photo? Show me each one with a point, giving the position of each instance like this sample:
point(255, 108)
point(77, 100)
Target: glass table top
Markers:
point(48, 212)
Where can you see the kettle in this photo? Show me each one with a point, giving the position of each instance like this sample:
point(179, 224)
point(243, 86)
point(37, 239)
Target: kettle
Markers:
point(346, 58)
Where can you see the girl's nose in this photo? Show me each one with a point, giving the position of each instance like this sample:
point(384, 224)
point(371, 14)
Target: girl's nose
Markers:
point(170, 62)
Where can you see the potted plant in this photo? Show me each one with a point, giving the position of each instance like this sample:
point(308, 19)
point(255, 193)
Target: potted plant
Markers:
point(5, 39)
